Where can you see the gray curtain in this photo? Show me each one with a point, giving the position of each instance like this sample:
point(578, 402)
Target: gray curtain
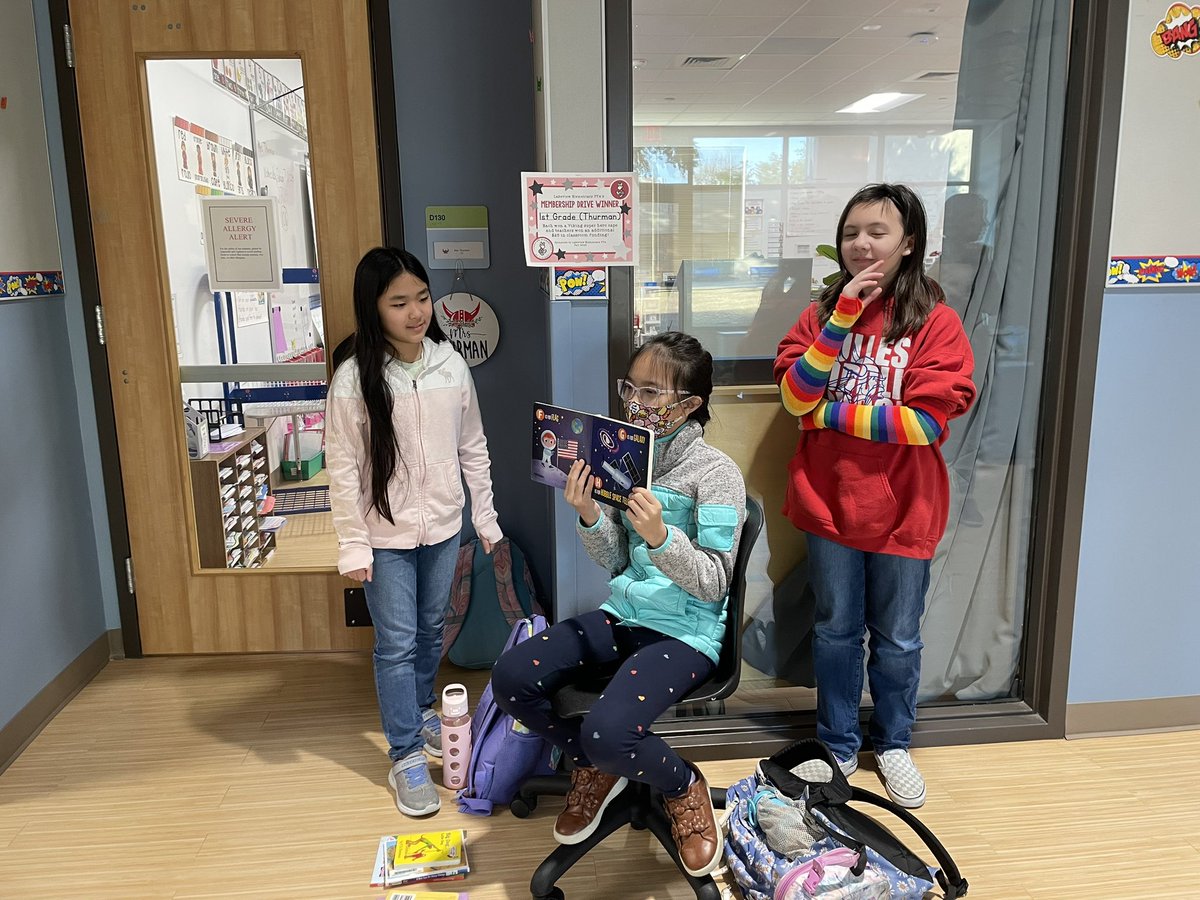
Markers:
point(1011, 90)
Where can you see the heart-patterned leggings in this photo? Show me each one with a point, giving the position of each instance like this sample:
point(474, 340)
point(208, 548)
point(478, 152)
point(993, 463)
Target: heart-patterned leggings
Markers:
point(652, 673)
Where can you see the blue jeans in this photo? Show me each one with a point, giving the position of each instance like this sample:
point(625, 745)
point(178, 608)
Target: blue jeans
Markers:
point(884, 596)
point(408, 596)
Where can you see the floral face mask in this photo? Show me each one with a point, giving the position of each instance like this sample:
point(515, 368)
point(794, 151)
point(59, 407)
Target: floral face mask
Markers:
point(654, 418)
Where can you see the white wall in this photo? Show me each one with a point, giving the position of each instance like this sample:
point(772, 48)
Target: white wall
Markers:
point(1137, 604)
point(1154, 210)
point(28, 236)
point(57, 590)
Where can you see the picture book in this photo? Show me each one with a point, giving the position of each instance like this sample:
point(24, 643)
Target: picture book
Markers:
point(426, 895)
point(412, 858)
point(621, 455)
point(430, 850)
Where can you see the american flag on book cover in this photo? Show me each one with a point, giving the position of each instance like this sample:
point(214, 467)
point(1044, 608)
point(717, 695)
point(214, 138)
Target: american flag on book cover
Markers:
point(568, 449)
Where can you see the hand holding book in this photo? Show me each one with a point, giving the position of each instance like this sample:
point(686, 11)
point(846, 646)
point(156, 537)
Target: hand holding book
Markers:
point(578, 493)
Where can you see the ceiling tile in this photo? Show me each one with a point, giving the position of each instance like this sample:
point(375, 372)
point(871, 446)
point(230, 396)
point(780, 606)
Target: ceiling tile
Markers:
point(655, 61)
point(900, 27)
point(804, 60)
point(850, 9)
point(690, 76)
point(659, 43)
point(737, 26)
point(756, 7)
point(674, 7)
point(720, 46)
point(801, 46)
point(750, 77)
point(666, 25)
point(775, 62)
point(804, 25)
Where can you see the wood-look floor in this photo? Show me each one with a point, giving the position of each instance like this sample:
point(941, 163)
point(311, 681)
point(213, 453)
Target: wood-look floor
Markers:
point(265, 776)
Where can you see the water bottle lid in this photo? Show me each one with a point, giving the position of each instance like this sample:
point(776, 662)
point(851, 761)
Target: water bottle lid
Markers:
point(454, 701)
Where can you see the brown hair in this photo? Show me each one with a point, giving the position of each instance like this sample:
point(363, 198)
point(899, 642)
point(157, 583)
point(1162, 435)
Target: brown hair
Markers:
point(914, 293)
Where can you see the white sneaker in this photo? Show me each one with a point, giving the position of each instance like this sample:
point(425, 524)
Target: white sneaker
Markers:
point(901, 778)
point(415, 793)
point(848, 766)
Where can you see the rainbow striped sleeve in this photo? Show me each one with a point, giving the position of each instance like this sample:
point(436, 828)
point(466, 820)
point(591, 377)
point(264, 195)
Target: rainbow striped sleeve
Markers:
point(804, 383)
point(886, 424)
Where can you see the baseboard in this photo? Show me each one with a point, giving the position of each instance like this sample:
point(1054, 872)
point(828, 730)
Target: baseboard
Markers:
point(37, 713)
point(116, 644)
point(1132, 716)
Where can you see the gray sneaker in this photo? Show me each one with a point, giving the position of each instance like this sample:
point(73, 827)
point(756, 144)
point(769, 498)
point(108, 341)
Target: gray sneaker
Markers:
point(415, 793)
point(848, 766)
point(901, 778)
point(431, 732)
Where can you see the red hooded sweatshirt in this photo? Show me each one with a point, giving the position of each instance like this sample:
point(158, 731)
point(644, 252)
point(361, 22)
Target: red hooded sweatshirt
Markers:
point(873, 493)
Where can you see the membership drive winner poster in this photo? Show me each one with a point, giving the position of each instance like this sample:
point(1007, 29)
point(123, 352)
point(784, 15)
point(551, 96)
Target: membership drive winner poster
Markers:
point(620, 454)
point(582, 219)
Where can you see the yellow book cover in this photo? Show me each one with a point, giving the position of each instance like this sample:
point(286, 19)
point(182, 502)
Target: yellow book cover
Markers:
point(430, 850)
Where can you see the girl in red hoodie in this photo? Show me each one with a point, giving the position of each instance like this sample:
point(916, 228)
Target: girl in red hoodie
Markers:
point(874, 369)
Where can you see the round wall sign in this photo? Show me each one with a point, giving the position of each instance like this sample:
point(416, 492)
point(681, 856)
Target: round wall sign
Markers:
point(470, 324)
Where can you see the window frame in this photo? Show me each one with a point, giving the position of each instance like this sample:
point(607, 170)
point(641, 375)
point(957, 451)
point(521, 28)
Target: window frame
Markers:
point(1095, 81)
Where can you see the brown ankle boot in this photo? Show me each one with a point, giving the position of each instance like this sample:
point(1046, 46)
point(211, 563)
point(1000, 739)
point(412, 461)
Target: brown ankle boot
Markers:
point(591, 792)
point(694, 827)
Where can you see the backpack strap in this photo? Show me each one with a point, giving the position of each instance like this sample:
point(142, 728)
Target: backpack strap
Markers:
point(506, 592)
point(533, 597)
point(855, 829)
point(460, 595)
point(948, 876)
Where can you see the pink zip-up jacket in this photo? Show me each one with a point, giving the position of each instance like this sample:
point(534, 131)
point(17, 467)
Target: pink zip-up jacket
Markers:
point(440, 436)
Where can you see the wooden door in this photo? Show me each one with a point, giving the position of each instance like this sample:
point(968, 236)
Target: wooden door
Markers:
point(181, 608)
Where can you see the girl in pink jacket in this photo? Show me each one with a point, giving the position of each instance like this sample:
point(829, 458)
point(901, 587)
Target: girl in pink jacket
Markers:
point(403, 431)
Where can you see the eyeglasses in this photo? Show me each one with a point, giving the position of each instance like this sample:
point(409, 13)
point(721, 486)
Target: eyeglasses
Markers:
point(647, 396)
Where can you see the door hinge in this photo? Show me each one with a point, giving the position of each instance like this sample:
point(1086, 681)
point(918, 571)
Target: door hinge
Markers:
point(100, 324)
point(129, 575)
point(69, 46)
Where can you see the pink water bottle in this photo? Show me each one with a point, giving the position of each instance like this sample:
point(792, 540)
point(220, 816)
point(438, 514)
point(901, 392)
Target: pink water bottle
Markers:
point(456, 736)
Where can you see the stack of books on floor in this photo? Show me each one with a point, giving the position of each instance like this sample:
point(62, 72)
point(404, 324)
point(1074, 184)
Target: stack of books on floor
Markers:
point(425, 895)
point(404, 859)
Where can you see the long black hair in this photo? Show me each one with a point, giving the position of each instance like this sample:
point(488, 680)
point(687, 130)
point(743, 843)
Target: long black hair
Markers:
point(914, 293)
point(686, 366)
point(377, 269)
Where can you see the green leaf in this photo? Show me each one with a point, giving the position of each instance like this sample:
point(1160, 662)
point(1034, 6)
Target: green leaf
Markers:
point(828, 252)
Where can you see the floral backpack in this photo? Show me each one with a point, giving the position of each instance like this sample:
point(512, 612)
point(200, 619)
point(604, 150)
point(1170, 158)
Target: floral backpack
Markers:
point(794, 813)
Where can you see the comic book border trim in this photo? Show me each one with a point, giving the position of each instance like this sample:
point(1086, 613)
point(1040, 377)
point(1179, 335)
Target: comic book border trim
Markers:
point(46, 283)
point(1153, 270)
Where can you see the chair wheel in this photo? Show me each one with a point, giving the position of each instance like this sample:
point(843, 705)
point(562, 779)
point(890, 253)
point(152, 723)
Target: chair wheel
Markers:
point(555, 894)
point(521, 807)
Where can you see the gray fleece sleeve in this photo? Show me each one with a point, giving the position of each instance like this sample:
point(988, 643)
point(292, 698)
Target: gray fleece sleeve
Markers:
point(704, 567)
point(606, 542)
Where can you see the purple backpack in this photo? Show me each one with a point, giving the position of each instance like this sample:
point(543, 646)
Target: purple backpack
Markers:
point(503, 753)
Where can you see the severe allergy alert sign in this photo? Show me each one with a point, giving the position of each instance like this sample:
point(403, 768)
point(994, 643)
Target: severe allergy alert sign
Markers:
point(241, 243)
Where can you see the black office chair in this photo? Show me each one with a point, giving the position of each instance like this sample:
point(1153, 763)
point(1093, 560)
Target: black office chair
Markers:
point(639, 805)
